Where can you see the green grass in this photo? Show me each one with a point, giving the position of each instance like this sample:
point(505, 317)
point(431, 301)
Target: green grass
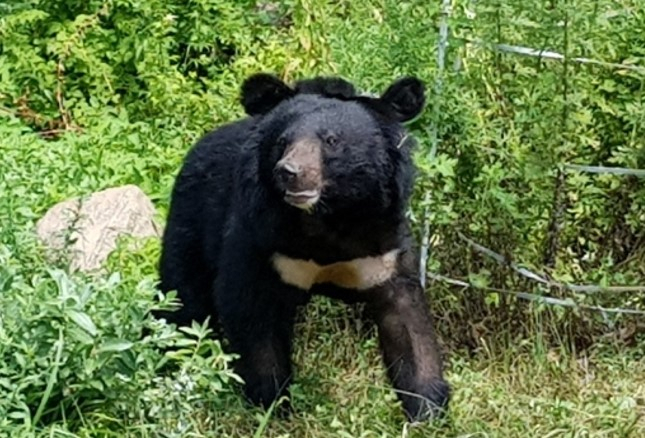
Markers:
point(519, 392)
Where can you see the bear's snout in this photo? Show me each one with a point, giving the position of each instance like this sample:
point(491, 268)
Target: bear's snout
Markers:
point(298, 174)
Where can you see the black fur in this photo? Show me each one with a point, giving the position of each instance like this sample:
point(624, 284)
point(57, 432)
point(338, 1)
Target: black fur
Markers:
point(262, 92)
point(326, 86)
point(227, 217)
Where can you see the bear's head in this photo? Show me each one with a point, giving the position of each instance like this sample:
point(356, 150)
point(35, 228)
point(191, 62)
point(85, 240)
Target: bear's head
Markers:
point(323, 148)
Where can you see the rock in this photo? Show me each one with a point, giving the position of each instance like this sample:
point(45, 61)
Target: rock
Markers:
point(85, 230)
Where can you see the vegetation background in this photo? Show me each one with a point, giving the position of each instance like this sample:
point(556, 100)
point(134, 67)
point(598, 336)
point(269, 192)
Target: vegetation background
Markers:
point(524, 238)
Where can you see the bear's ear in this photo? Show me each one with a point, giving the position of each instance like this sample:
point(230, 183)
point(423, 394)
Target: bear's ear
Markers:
point(261, 93)
point(326, 86)
point(405, 98)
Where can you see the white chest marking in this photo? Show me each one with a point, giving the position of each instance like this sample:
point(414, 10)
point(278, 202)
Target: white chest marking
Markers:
point(361, 274)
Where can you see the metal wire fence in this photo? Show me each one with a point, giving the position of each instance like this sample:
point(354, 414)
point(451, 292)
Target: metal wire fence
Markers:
point(569, 65)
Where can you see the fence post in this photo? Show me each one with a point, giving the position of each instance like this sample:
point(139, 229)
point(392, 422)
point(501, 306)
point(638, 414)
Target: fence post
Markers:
point(441, 62)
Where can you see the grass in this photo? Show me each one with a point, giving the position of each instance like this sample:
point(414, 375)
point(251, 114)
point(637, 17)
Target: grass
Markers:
point(518, 392)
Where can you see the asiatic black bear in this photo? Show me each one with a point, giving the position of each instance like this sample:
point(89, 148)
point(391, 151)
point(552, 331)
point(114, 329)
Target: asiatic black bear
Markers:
point(305, 196)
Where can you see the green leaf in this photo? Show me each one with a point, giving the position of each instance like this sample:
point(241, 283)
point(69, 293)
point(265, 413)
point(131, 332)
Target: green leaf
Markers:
point(115, 345)
point(83, 321)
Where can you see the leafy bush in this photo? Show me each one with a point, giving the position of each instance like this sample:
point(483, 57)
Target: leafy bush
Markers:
point(73, 353)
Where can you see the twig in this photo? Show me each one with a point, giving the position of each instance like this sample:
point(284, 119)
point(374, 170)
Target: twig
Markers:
point(535, 297)
point(540, 279)
point(59, 94)
point(640, 173)
point(551, 55)
point(555, 223)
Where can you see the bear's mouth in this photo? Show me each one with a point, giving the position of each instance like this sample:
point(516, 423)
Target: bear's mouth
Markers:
point(304, 199)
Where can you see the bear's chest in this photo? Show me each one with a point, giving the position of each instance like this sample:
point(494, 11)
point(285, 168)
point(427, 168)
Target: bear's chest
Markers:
point(359, 274)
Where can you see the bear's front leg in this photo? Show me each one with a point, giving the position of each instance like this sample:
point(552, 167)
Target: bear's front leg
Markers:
point(257, 313)
point(264, 364)
point(409, 347)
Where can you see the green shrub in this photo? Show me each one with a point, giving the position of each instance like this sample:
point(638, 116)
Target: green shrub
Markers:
point(73, 352)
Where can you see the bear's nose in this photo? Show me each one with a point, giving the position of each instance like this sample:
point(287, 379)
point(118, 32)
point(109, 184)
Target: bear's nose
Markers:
point(287, 172)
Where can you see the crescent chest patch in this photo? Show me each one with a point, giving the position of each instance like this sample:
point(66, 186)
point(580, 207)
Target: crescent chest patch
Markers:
point(361, 274)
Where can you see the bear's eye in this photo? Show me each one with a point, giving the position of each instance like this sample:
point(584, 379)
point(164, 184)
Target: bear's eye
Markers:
point(331, 139)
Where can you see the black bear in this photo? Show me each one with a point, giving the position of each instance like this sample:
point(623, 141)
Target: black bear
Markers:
point(307, 195)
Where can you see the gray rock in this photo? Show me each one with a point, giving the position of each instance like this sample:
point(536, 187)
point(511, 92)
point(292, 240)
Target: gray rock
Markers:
point(85, 230)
